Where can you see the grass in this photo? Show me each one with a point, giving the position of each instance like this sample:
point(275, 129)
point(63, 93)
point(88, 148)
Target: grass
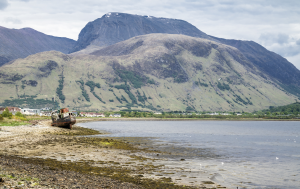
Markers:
point(17, 121)
point(78, 131)
point(38, 118)
point(13, 123)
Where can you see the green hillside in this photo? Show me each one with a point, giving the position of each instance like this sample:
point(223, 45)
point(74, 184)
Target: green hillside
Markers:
point(158, 72)
point(284, 110)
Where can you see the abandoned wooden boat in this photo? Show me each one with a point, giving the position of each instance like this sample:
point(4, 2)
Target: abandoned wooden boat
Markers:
point(63, 118)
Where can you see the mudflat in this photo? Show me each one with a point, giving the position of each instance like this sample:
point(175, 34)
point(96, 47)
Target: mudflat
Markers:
point(43, 156)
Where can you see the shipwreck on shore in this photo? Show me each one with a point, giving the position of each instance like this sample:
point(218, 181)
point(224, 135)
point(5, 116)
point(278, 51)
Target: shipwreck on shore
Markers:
point(63, 118)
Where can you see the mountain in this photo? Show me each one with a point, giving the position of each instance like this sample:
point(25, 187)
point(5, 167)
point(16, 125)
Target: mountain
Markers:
point(112, 28)
point(115, 27)
point(19, 43)
point(268, 62)
point(159, 72)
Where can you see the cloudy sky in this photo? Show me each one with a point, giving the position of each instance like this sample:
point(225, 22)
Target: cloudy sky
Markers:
point(275, 24)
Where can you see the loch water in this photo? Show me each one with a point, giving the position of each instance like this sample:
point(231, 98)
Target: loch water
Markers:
point(248, 154)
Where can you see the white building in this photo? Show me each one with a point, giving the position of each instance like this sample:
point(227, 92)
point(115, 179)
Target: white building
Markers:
point(27, 111)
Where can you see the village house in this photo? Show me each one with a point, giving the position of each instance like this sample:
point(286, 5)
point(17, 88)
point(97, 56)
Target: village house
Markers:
point(45, 113)
point(91, 114)
point(115, 115)
point(27, 111)
point(12, 110)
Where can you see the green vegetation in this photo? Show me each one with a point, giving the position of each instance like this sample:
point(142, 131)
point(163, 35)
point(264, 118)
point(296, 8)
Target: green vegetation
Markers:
point(200, 84)
point(124, 99)
point(59, 89)
point(84, 93)
point(239, 99)
point(291, 89)
point(7, 119)
point(143, 98)
point(223, 86)
point(291, 110)
point(78, 131)
point(151, 81)
point(136, 79)
point(13, 123)
point(98, 97)
point(92, 85)
point(16, 77)
point(30, 102)
point(189, 109)
point(6, 113)
point(126, 88)
point(120, 100)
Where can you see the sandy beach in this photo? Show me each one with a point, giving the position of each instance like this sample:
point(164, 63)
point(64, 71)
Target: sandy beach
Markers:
point(42, 156)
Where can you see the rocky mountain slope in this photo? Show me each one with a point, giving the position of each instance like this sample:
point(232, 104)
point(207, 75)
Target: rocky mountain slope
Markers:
point(112, 28)
point(115, 27)
point(19, 43)
point(268, 62)
point(159, 72)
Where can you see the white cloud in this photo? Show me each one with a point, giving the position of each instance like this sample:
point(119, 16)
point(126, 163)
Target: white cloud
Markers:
point(13, 20)
point(3, 4)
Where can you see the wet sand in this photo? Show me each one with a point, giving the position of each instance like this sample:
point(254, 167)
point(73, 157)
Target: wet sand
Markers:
point(42, 156)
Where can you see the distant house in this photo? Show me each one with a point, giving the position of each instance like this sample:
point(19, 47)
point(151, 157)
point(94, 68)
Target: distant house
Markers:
point(225, 114)
point(157, 113)
point(45, 113)
point(214, 113)
point(27, 111)
point(91, 114)
point(12, 110)
point(117, 115)
point(100, 115)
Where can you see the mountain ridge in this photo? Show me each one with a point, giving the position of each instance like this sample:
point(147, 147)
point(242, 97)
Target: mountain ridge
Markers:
point(115, 27)
point(106, 31)
point(270, 62)
point(153, 72)
point(19, 43)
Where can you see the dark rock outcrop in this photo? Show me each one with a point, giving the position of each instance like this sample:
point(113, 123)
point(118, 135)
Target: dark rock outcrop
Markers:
point(115, 27)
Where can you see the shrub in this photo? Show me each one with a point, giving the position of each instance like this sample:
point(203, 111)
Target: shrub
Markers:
point(23, 118)
point(59, 89)
point(1, 118)
point(19, 114)
point(92, 85)
point(6, 113)
point(84, 93)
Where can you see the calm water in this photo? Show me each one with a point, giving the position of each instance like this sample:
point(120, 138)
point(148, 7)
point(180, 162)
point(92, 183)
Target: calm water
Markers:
point(251, 154)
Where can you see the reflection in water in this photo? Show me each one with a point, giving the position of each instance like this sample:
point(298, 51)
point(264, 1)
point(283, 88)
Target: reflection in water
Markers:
point(236, 153)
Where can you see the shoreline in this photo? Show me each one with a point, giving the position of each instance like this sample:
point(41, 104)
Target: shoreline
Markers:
point(52, 157)
point(82, 120)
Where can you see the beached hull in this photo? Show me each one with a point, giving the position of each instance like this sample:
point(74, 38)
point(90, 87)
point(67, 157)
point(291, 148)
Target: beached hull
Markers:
point(65, 122)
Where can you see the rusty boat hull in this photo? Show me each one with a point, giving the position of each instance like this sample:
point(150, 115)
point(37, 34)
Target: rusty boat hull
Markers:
point(66, 122)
